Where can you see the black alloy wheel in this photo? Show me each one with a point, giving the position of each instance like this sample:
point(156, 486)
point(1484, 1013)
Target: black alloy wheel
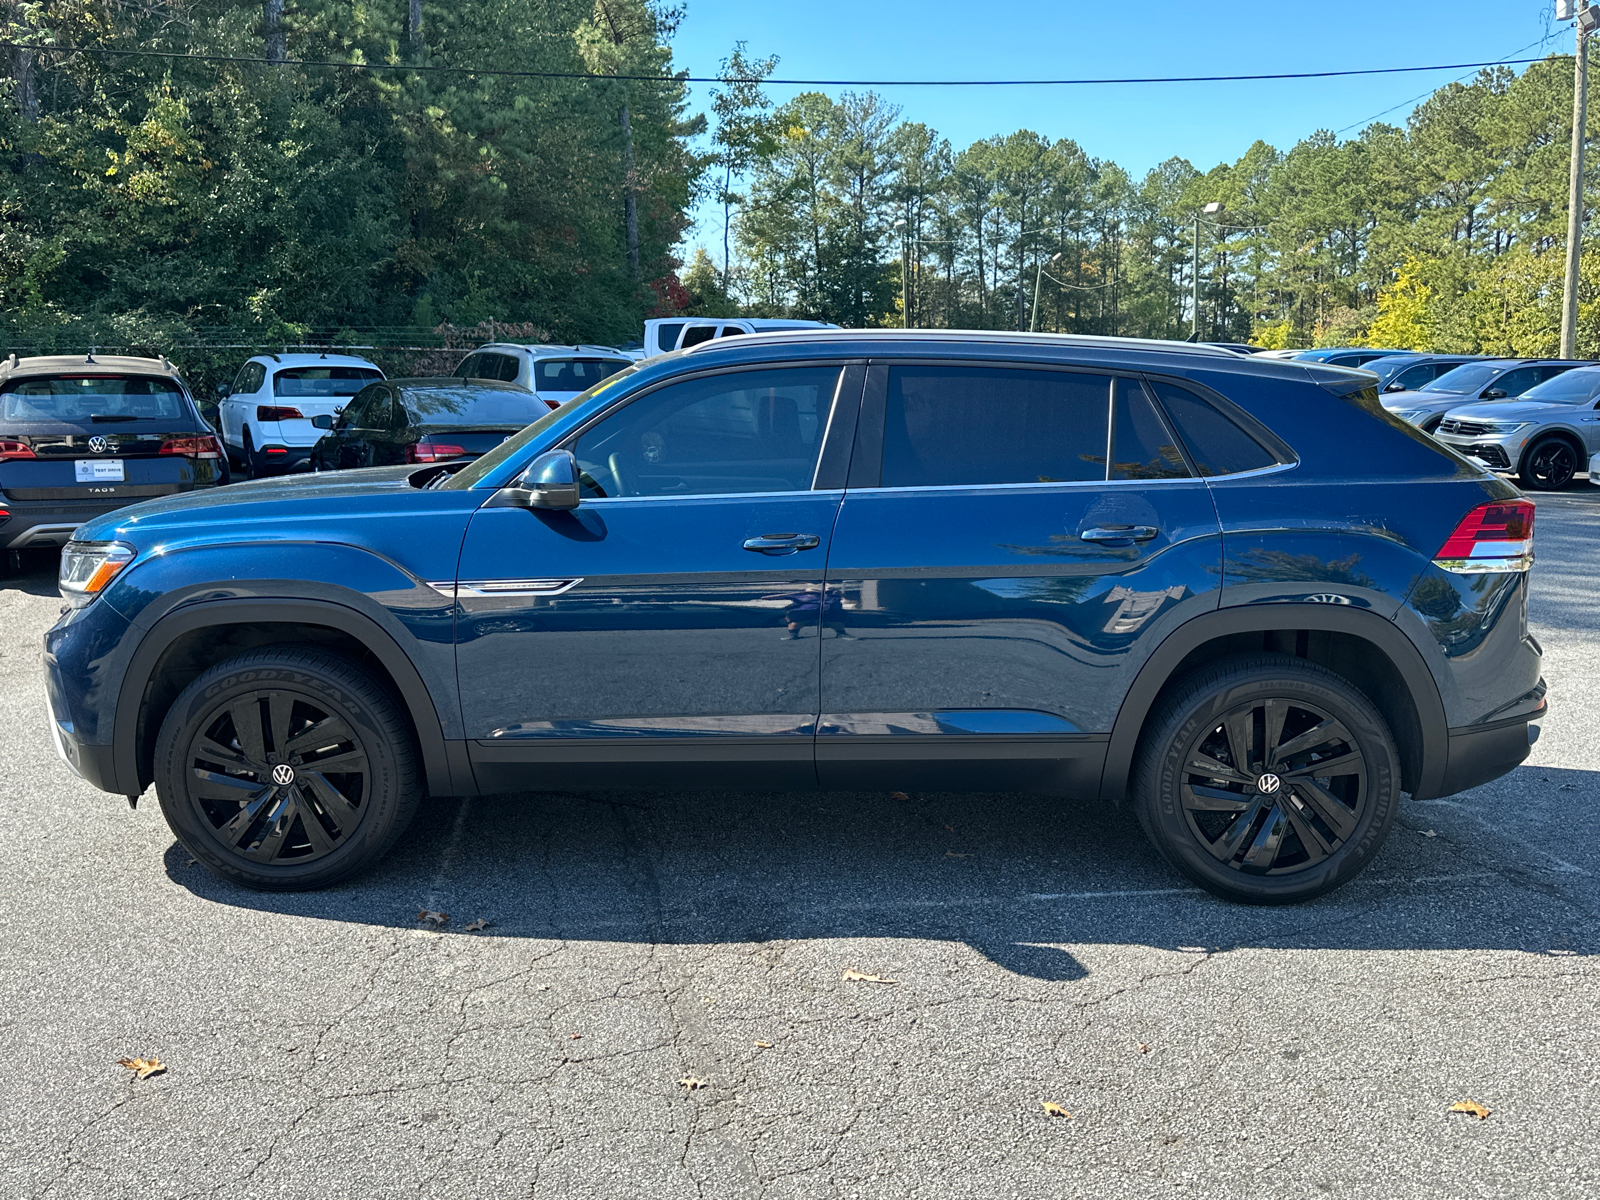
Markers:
point(1267, 779)
point(1550, 465)
point(286, 769)
point(1274, 787)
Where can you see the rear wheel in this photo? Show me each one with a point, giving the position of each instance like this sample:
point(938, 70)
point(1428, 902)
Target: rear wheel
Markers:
point(1550, 465)
point(251, 466)
point(286, 769)
point(1267, 779)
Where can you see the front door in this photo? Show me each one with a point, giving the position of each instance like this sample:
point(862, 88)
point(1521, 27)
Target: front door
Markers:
point(994, 584)
point(672, 618)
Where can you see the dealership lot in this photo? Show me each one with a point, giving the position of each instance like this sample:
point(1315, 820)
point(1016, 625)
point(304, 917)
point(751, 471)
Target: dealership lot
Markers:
point(330, 1044)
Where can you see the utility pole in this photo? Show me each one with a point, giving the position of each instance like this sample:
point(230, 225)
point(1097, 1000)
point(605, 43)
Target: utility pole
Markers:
point(905, 275)
point(1038, 278)
point(1587, 19)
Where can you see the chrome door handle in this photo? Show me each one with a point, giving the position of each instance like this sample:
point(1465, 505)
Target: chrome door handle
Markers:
point(1119, 533)
point(782, 543)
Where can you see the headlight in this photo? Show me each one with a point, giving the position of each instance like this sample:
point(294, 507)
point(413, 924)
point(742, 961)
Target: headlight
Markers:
point(1409, 414)
point(1497, 428)
point(87, 567)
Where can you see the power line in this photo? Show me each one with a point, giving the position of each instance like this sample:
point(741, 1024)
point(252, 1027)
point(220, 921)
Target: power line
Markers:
point(428, 68)
point(1502, 62)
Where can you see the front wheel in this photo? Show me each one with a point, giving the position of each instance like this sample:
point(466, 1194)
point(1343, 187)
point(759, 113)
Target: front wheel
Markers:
point(1550, 465)
point(1267, 779)
point(286, 769)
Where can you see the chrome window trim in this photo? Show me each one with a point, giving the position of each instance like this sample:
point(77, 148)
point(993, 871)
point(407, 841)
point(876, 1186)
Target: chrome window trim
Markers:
point(588, 500)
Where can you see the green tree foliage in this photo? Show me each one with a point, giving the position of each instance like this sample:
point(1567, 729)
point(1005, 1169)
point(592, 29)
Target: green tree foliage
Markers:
point(180, 194)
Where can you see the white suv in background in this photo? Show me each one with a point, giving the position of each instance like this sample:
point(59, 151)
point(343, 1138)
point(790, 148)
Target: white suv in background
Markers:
point(555, 374)
point(266, 415)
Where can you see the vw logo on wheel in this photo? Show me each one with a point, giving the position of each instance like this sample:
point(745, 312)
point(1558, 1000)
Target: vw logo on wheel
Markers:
point(98, 444)
point(1268, 784)
point(283, 775)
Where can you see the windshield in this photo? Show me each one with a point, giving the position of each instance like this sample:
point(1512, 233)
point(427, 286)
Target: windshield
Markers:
point(85, 397)
point(1570, 387)
point(323, 381)
point(1390, 365)
point(465, 405)
point(573, 374)
point(512, 446)
point(1469, 378)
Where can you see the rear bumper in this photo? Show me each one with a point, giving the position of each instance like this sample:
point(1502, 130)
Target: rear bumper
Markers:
point(275, 457)
point(34, 525)
point(1479, 755)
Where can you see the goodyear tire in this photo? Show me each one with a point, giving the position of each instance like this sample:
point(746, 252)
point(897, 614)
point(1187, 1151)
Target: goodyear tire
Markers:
point(1267, 779)
point(286, 769)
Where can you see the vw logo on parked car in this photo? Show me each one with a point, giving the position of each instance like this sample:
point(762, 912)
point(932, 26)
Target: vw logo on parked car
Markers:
point(283, 774)
point(99, 444)
point(1268, 784)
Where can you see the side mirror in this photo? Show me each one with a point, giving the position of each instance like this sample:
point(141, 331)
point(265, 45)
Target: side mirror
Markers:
point(223, 390)
point(322, 421)
point(1493, 394)
point(1395, 387)
point(551, 481)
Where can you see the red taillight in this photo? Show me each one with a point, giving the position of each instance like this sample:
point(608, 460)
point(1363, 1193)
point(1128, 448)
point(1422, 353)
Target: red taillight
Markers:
point(274, 412)
point(10, 449)
point(1492, 537)
point(193, 447)
point(553, 403)
point(427, 451)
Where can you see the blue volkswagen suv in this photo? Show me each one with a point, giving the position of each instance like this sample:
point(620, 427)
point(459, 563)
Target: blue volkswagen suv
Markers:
point(834, 559)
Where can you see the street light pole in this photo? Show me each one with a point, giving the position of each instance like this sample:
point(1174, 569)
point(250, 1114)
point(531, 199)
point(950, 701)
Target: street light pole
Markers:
point(1194, 271)
point(1587, 18)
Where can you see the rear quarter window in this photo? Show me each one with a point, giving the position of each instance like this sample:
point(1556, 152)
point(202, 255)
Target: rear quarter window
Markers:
point(1218, 445)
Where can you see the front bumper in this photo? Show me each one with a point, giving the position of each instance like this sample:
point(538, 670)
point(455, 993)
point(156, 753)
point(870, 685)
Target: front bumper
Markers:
point(1496, 453)
point(92, 764)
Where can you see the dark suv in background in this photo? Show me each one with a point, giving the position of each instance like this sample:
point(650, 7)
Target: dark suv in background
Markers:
point(948, 561)
point(83, 434)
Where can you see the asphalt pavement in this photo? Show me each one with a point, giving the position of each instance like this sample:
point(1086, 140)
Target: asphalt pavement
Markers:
point(658, 1008)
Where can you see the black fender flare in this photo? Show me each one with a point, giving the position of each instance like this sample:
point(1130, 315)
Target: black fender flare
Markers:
point(1256, 618)
point(437, 758)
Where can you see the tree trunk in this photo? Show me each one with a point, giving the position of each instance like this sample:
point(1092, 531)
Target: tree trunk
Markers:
point(727, 185)
point(22, 63)
point(414, 28)
point(630, 199)
point(277, 46)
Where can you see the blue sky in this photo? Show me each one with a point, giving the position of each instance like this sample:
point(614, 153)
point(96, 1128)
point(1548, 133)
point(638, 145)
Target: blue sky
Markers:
point(1136, 126)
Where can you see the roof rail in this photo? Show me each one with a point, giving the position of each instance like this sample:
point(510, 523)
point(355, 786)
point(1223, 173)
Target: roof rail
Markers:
point(997, 337)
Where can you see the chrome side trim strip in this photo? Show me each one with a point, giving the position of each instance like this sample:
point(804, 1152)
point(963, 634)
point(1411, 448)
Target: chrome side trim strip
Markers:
point(505, 587)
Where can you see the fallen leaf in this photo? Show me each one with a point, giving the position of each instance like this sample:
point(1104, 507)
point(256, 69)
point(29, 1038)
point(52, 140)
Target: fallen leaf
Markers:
point(1144, 1047)
point(898, 796)
point(436, 917)
point(143, 1067)
point(1472, 1107)
point(760, 1045)
point(1567, 787)
point(1427, 833)
point(475, 926)
point(689, 1083)
point(572, 1037)
point(950, 828)
point(953, 854)
point(851, 975)
point(1052, 1109)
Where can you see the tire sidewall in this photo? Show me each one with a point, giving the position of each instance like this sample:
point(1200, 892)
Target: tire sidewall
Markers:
point(1533, 451)
point(200, 704)
point(1160, 802)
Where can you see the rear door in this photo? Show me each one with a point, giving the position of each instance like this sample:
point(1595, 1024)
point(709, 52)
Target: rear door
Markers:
point(102, 438)
point(993, 586)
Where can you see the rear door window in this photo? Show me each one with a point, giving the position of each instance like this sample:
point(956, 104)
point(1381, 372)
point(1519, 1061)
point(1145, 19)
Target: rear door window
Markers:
point(86, 398)
point(1144, 446)
point(959, 425)
point(572, 374)
point(1217, 445)
point(313, 382)
point(696, 334)
point(1514, 383)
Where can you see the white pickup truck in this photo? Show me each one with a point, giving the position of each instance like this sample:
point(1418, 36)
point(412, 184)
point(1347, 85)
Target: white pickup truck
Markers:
point(675, 333)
